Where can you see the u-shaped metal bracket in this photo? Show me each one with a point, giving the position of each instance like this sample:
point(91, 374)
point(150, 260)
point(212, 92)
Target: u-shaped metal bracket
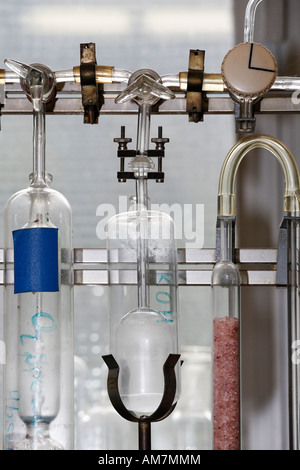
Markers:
point(165, 407)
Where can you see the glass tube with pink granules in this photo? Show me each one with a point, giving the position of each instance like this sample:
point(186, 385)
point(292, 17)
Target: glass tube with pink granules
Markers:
point(226, 341)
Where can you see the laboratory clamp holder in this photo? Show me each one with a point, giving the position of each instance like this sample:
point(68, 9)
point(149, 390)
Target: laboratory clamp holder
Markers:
point(41, 266)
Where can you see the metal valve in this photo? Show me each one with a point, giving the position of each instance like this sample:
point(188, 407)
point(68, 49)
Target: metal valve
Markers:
point(248, 71)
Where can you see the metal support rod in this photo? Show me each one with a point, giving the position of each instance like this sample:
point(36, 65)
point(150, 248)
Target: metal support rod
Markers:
point(258, 267)
point(144, 434)
point(69, 101)
point(293, 228)
point(164, 409)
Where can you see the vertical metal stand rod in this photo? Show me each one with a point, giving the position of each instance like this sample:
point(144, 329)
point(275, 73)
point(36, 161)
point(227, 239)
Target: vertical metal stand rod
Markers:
point(293, 330)
point(144, 435)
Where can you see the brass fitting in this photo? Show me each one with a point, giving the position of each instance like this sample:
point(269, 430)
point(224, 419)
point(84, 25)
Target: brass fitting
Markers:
point(2, 76)
point(212, 82)
point(103, 73)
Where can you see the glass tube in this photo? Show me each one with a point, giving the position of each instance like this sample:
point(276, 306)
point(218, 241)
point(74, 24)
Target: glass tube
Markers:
point(143, 311)
point(250, 20)
point(144, 330)
point(38, 309)
point(226, 351)
point(226, 191)
point(291, 206)
point(117, 75)
point(171, 80)
point(120, 75)
point(191, 419)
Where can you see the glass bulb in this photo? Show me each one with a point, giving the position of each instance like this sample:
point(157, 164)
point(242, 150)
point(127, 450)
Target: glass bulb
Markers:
point(142, 263)
point(38, 320)
point(143, 341)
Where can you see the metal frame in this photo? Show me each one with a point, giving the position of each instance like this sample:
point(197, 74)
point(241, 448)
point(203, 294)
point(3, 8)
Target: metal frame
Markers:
point(257, 267)
point(69, 101)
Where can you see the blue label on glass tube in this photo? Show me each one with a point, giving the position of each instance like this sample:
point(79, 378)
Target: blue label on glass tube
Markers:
point(36, 260)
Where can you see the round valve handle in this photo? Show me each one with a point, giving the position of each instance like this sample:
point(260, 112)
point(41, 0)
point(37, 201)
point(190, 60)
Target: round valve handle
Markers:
point(249, 70)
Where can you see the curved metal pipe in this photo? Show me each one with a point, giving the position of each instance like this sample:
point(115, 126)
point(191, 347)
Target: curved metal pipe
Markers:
point(226, 195)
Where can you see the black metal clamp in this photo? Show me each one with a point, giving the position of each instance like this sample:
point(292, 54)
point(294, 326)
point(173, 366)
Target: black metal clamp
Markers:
point(284, 251)
point(164, 409)
point(195, 99)
point(91, 96)
point(282, 254)
point(124, 152)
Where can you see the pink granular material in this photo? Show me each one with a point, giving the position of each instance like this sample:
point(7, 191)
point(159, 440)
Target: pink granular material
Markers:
point(226, 384)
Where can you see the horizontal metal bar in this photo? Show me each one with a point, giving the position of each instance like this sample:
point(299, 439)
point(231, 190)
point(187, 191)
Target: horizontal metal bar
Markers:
point(90, 255)
point(248, 278)
point(68, 101)
point(93, 277)
point(259, 256)
point(257, 267)
point(216, 105)
point(186, 256)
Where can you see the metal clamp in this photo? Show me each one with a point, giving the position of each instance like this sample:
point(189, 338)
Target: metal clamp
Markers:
point(124, 152)
point(245, 120)
point(2, 91)
point(283, 252)
point(218, 238)
point(164, 409)
point(195, 101)
point(160, 142)
point(91, 98)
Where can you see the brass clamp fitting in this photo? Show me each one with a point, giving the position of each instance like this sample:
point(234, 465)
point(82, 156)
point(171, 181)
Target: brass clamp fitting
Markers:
point(195, 101)
point(91, 96)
